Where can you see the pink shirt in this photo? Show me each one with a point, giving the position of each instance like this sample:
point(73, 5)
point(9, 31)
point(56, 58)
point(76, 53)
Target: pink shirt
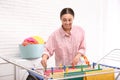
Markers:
point(65, 46)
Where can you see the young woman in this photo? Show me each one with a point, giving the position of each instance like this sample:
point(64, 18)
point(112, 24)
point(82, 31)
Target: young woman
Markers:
point(67, 43)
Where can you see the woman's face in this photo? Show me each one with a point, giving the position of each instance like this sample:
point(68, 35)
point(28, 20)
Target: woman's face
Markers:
point(67, 20)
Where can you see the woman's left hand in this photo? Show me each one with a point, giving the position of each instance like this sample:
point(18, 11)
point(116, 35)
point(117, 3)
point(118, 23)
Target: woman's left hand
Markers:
point(76, 59)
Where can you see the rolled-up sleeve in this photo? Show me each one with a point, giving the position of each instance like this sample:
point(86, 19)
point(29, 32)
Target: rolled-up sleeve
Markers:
point(49, 46)
point(82, 47)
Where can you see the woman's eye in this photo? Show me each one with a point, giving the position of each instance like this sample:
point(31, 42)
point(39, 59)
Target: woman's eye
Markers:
point(64, 20)
point(67, 20)
point(70, 20)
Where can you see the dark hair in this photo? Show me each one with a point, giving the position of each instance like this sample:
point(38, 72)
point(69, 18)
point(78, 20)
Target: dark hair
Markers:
point(67, 11)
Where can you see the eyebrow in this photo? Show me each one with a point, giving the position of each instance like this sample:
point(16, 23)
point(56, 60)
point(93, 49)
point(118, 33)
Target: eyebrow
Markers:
point(67, 18)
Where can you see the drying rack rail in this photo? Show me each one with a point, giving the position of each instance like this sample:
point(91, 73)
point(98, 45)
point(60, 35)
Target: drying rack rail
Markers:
point(113, 55)
point(111, 60)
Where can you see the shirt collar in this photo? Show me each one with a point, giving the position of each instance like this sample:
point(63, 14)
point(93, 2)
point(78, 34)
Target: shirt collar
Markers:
point(64, 33)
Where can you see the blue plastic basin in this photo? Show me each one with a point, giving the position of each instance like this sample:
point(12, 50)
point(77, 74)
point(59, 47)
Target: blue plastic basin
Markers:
point(31, 51)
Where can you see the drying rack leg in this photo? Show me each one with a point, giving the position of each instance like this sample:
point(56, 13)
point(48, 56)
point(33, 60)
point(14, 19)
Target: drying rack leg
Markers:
point(117, 76)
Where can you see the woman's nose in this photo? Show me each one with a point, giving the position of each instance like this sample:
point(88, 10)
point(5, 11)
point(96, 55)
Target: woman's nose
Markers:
point(67, 22)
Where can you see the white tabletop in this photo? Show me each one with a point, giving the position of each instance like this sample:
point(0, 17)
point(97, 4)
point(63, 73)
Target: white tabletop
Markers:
point(16, 59)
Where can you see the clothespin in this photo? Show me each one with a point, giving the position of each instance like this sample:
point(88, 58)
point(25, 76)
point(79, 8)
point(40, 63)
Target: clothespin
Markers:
point(64, 68)
point(86, 60)
point(88, 63)
point(52, 70)
point(94, 65)
point(81, 67)
point(73, 66)
point(98, 66)
point(60, 66)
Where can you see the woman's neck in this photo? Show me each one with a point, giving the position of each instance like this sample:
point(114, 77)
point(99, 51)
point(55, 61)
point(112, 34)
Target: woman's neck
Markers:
point(66, 30)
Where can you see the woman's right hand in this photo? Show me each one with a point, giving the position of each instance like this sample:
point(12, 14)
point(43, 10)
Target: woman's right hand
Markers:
point(44, 60)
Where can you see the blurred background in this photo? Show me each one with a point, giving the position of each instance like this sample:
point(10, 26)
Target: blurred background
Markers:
point(100, 19)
